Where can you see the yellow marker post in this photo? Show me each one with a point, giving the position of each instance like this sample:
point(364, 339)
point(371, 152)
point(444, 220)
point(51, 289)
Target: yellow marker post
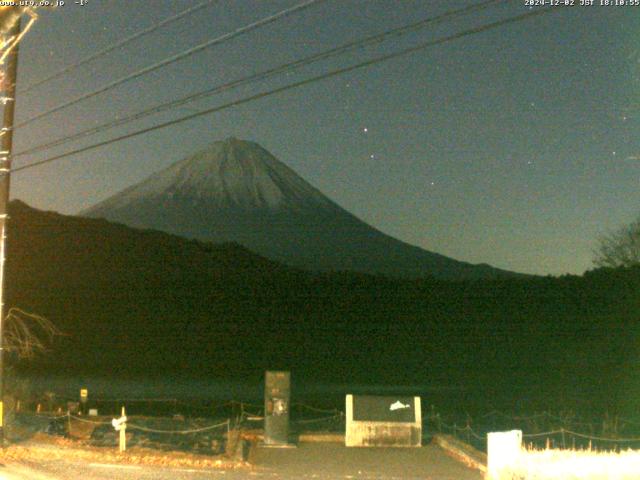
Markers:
point(84, 396)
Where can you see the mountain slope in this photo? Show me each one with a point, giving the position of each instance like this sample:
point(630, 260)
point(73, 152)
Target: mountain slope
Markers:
point(142, 303)
point(237, 191)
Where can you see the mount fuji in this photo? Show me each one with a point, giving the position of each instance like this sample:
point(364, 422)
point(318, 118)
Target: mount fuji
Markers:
point(236, 191)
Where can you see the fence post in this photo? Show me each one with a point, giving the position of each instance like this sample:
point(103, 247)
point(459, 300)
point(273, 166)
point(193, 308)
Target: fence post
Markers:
point(468, 429)
point(121, 426)
point(503, 451)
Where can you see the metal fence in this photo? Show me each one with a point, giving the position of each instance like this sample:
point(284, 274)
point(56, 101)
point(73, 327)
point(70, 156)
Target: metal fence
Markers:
point(202, 426)
point(546, 429)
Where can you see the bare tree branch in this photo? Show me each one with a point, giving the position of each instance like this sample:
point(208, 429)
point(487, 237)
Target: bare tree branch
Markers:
point(27, 334)
point(620, 248)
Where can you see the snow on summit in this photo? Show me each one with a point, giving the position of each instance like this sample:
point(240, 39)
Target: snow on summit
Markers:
point(231, 174)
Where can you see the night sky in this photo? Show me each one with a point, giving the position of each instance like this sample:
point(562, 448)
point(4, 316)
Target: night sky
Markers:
point(515, 147)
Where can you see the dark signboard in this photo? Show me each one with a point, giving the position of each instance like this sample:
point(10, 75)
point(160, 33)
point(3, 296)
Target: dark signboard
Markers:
point(368, 408)
point(276, 407)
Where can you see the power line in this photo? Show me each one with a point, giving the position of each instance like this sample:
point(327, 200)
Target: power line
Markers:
point(287, 67)
point(216, 41)
point(119, 44)
point(340, 71)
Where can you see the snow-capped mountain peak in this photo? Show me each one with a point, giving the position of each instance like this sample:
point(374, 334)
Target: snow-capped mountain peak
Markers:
point(236, 191)
point(231, 174)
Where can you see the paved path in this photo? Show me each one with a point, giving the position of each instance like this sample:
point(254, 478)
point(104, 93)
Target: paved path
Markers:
point(334, 461)
point(321, 461)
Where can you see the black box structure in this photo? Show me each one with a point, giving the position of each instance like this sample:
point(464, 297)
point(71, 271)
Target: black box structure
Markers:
point(277, 400)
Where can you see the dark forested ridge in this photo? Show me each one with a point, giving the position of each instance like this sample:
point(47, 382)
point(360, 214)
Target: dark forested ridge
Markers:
point(136, 303)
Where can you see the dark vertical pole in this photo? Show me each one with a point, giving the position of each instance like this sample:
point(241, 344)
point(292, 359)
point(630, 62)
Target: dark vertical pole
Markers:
point(6, 144)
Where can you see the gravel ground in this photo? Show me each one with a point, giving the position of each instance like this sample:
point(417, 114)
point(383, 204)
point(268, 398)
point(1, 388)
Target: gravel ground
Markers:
point(69, 469)
point(322, 461)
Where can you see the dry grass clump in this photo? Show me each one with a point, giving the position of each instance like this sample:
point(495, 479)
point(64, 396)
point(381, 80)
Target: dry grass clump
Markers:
point(42, 446)
point(552, 464)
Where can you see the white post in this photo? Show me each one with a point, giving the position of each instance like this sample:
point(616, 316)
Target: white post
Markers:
point(349, 440)
point(123, 432)
point(503, 450)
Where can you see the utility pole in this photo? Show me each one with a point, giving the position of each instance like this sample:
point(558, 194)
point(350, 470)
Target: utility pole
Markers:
point(6, 144)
